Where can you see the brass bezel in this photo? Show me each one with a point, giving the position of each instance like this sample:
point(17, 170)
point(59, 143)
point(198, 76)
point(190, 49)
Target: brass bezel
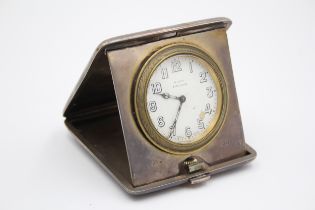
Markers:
point(142, 115)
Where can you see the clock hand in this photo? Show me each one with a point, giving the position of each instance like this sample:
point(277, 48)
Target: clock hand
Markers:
point(182, 99)
point(167, 96)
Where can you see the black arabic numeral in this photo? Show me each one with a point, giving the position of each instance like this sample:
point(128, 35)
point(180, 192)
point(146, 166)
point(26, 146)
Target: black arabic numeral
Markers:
point(152, 106)
point(188, 132)
point(208, 109)
point(173, 131)
point(176, 65)
point(203, 76)
point(210, 92)
point(164, 73)
point(190, 66)
point(156, 88)
point(161, 122)
point(201, 125)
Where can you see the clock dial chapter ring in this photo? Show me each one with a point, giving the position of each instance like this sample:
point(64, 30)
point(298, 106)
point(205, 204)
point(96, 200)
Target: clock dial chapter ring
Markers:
point(150, 130)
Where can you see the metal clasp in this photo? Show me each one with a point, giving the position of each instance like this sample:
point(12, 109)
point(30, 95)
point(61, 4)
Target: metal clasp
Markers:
point(193, 165)
point(200, 179)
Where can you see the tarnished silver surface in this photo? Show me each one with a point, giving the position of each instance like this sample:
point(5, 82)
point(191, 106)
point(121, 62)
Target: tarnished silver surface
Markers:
point(97, 60)
point(101, 114)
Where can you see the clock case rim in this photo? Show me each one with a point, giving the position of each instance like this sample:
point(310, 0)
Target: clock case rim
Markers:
point(146, 71)
point(81, 108)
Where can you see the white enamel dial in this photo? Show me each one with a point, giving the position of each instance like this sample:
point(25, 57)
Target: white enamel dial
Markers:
point(182, 98)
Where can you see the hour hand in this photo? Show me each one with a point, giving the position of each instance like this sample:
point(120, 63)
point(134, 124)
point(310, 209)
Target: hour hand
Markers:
point(167, 96)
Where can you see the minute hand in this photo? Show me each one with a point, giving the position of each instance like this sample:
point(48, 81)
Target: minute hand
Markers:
point(182, 99)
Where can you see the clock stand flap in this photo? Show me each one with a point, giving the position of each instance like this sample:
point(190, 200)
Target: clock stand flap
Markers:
point(92, 116)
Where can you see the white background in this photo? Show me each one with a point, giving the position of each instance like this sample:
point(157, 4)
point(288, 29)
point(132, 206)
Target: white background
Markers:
point(44, 47)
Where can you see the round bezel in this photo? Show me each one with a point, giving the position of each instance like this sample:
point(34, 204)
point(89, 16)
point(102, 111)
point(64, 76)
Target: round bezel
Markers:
point(140, 95)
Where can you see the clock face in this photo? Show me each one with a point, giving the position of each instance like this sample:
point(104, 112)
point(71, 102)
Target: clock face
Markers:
point(182, 98)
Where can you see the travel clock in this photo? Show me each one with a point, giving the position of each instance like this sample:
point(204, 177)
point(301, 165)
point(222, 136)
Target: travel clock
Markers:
point(159, 108)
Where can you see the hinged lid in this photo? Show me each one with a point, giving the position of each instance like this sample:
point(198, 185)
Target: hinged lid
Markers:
point(95, 88)
point(99, 113)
